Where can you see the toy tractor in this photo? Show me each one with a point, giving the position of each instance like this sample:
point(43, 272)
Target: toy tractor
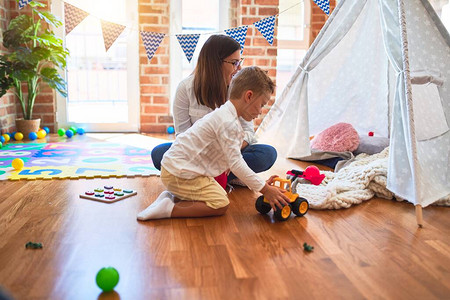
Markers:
point(297, 204)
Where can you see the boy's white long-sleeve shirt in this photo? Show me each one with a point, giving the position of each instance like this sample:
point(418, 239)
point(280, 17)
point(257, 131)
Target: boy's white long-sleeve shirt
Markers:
point(187, 111)
point(210, 147)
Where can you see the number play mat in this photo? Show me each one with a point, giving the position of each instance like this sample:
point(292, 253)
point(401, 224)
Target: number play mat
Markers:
point(75, 160)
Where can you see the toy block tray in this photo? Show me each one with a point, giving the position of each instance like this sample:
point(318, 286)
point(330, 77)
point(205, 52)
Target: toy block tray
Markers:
point(108, 194)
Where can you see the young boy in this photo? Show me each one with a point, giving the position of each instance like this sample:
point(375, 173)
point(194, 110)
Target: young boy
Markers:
point(209, 148)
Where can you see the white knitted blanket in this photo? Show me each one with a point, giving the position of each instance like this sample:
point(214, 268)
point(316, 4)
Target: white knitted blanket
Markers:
point(361, 180)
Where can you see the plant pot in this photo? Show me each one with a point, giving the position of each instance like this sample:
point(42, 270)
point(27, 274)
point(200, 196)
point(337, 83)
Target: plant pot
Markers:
point(27, 126)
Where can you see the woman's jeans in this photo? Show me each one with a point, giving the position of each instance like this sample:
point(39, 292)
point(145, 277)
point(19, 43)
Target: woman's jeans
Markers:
point(259, 157)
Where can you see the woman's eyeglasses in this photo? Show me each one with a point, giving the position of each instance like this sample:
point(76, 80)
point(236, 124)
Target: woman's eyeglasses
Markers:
point(236, 63)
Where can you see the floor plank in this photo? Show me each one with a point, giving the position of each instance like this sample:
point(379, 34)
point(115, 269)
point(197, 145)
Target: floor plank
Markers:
point(369, 251)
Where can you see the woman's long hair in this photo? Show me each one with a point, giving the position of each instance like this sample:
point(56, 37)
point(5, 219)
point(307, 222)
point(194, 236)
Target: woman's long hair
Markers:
point(210, 86)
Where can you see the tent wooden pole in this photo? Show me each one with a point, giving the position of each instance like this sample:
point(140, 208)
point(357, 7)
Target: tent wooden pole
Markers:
point(419, 215)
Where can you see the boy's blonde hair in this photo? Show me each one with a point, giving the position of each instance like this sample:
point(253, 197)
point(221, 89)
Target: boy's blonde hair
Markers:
point(251, 78)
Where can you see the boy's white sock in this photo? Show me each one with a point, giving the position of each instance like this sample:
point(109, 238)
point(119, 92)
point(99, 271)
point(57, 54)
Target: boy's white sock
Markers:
point(161, 208)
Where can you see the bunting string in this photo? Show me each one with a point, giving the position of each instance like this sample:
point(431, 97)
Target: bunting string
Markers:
point(188, 42)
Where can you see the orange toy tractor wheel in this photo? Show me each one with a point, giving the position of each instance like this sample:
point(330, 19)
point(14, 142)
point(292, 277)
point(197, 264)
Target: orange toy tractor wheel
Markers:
point(282, 214)
point(300, 206)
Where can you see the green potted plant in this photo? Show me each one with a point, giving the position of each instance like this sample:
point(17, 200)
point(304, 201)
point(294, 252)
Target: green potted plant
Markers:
point(34, 55)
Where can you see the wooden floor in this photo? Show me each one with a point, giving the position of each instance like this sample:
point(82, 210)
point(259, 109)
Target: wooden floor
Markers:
point(370, 251)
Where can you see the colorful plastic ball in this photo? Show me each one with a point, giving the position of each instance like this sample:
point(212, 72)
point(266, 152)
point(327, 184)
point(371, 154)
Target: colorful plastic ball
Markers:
point(47, 130)
point(1, 145)
point(69, 133)
point(18, 136)
point(61, 132)
point(32, 136)
point(80, 131)
point(41, 134)
point(6, 137)
point(107, 279)
point(73, 129)
point(17, 163)
point(12, 135)
point(2, 139)
point(170, 130)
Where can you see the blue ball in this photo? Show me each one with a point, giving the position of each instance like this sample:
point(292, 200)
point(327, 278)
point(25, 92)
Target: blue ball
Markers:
point(46, 129)
point(170, 130)
point(32, 136)
point(2, 139)
point(69, 133)
point(80, 131)
point(12, 135)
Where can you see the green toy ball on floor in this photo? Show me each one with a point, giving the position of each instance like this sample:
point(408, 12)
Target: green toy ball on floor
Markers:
point(32, 136)
point(1, 144)
point(61, 132)
point(107, 279)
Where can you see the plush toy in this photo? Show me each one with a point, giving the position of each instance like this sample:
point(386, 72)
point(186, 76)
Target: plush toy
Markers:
point(340, 137)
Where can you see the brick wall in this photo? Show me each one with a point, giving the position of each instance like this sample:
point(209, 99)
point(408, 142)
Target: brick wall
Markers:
point(45, 103)
point(318, 19)
point(257, 50)
point(154, 74)
point(7, 102)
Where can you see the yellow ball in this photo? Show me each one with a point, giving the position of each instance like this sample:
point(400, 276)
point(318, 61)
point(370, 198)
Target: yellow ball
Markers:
point(6, 136)
point(41, 134)
point(17, 164)
point(18, 136)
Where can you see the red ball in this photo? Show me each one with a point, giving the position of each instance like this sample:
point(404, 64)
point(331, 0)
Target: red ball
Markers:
point(370, 133)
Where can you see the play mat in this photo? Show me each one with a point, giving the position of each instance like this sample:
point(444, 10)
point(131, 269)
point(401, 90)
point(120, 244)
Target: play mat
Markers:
point(75, 160)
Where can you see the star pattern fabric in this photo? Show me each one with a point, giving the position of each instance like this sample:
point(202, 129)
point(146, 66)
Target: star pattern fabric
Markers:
point(354, 72)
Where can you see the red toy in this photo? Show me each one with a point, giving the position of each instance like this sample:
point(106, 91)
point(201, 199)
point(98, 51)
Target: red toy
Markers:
point(370, 133)
point(311, 173)
point(222, 180)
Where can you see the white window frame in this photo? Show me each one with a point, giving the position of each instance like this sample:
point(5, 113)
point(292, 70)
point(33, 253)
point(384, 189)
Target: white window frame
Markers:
point(176, 53)
point(133, 93)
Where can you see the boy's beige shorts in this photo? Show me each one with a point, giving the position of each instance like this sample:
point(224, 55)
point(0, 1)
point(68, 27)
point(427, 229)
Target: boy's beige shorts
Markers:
point(201, 188)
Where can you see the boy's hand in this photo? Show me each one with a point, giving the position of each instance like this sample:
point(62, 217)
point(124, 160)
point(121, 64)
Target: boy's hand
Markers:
point(270, 180)
point(275, 196)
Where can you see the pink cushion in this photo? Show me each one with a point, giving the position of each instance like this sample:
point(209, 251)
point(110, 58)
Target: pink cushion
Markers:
point(340, 137)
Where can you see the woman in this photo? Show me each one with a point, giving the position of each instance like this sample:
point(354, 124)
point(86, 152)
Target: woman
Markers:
point(205, 90)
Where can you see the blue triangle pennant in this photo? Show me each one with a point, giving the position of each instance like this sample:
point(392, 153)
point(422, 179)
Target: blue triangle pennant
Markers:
point(188, 42)
point(324, 5)
point(23, 3)
point(239, 34)
point(151, 42)
point(266, 27)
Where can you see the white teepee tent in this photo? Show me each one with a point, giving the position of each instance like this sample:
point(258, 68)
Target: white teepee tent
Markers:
point(382, 66)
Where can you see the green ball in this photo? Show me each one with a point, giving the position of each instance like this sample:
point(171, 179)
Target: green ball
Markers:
point(61, 132)
point(73, 129)
point(107, 278)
